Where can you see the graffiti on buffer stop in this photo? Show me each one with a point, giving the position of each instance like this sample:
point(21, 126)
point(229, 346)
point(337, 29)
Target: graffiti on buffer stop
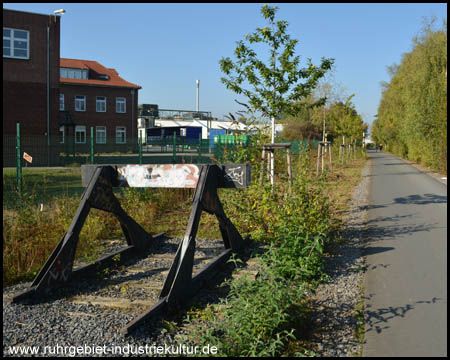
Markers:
point(170, 176)
point(236, 175)
point(60, 272)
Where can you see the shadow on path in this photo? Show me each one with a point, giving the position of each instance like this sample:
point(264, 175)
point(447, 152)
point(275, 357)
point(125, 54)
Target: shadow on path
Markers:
point(421, 199)
point(378, 319)
point(415, 199)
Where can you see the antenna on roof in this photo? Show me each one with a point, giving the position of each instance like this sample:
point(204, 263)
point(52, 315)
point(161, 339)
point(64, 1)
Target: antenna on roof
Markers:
point(198, 89)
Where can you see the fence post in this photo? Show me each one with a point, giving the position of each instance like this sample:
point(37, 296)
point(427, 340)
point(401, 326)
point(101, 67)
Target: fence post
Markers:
point(92, 145)
point(66, 143)
point(140, 149)
point(174, 160)
point(73, 143)
point(19, 165)
point(199, 149)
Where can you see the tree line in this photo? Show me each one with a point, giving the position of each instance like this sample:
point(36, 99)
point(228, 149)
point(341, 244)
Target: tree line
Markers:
point(339, 119)
point(412, 114)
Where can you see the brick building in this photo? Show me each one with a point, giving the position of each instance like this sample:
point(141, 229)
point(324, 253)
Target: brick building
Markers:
point(57, 101)
point(92, 95)
point(31, 46)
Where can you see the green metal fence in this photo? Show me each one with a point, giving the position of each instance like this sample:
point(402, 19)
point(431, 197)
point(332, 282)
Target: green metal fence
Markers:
point(107, 151)
point(116, 150)
point(298, 146)
point(229, 143)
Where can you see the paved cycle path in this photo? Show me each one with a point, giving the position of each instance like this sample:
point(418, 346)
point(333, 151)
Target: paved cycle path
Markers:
point(406, 256)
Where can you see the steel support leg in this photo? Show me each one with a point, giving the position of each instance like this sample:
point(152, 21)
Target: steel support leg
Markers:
point(58, 268)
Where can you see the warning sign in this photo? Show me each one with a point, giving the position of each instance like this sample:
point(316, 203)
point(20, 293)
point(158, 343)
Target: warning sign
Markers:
point(27, 157)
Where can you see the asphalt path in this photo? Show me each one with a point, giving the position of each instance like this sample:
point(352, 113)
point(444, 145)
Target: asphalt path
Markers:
point(406, 257)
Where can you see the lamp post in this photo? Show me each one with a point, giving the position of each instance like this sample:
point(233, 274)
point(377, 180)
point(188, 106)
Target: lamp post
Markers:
point(56, 12)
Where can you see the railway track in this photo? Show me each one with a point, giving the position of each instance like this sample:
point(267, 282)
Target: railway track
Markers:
point(132, 285)
point(95, 309)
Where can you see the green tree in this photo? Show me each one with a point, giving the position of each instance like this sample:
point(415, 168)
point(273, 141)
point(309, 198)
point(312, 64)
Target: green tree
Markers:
point(305, 124)
point(345, 120)
point(275, 87)
point(328, 109)
point(412, 114)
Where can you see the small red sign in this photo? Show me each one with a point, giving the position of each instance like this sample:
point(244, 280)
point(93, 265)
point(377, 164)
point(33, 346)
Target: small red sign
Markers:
point(27, 157)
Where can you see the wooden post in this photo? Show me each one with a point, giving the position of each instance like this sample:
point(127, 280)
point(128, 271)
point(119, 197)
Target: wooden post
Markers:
point(269, 149)
point(318, 158)
point(289, 170)
point(331, 161)
point(322, 154)
point(262, 166)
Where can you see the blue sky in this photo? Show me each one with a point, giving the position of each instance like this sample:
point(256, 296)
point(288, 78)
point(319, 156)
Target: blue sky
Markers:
point(166, 47)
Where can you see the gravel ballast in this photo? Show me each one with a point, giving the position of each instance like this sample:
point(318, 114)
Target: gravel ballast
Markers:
point(337, 302)
point(71, 322)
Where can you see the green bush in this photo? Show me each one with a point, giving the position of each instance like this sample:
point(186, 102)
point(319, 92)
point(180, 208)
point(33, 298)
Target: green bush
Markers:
point(255, 319)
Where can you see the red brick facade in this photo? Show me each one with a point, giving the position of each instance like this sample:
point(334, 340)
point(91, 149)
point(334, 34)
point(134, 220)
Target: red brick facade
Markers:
point(100, 82)
point(109, 119)
point(25, 80)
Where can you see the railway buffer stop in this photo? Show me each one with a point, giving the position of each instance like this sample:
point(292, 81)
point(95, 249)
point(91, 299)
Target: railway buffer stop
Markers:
point(180, 284)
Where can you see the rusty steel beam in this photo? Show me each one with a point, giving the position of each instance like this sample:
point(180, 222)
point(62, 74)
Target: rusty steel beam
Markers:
point(58, 269)
point(197, 282)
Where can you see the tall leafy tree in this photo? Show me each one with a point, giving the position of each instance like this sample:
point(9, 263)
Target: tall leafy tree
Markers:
point(273, 87)
point(412, 114)
point(345, 120)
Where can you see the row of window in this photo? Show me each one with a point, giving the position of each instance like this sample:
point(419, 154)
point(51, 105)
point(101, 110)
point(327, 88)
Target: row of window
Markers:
point(100, 134)
point(100, 103)
point(16, 43)
point(73, 73)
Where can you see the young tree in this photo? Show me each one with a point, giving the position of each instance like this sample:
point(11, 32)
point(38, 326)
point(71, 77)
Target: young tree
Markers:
point(276, 86)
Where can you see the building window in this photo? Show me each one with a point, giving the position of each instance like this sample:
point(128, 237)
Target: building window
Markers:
point(61, 135)
point(101, 103)
point(61, 102)
point(100, 134)
point(121, 105)
point(80, 103)
point(120, 134)
point(80, 134)
point(16, 43)
point(73, 73)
